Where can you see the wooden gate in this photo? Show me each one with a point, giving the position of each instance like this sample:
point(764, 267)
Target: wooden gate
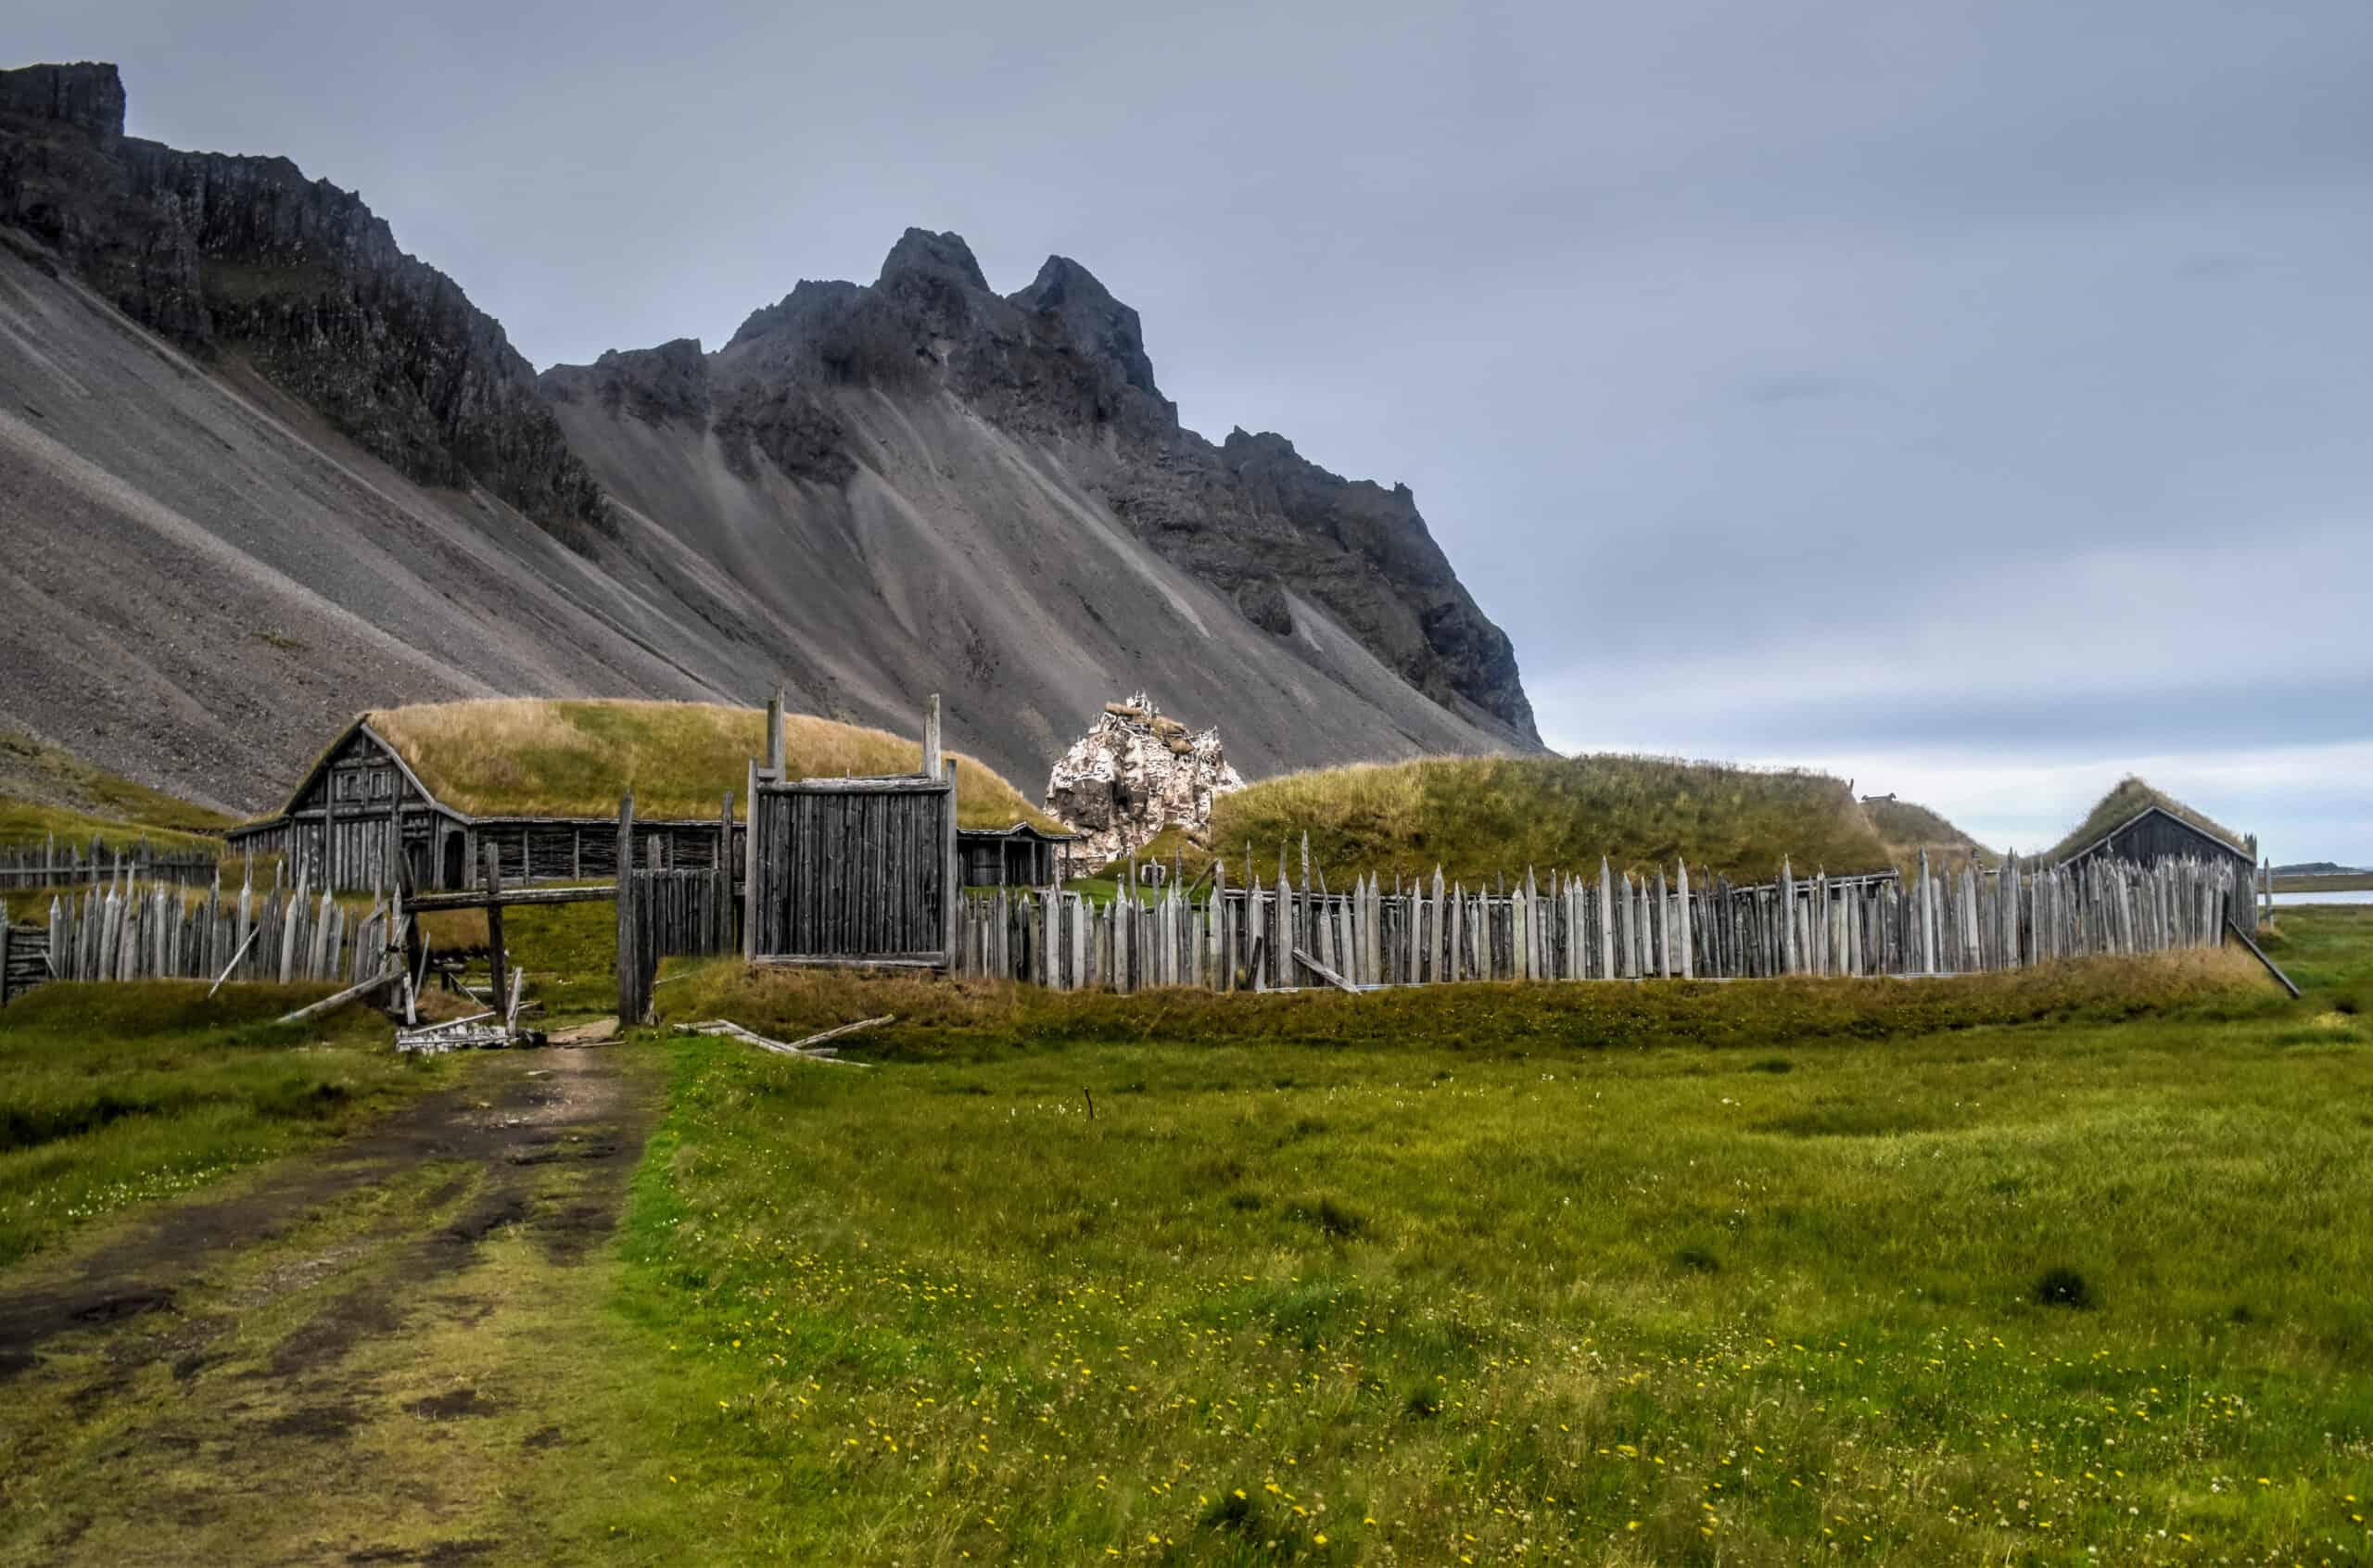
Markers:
point(852, 871)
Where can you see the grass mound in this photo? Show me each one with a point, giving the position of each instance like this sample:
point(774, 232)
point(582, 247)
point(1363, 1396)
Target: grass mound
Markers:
point(2130, 798)
point(48, 791)
point(1480, 816)
point(1909, 828)
point(524, 756)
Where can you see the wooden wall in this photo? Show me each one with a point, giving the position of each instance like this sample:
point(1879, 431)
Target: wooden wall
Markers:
point(853, 872)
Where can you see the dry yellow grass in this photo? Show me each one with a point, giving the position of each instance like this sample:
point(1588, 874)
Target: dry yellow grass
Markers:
point(531, 757)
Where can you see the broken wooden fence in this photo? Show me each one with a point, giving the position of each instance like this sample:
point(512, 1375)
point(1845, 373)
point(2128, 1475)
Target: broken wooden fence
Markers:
point(1611, 926)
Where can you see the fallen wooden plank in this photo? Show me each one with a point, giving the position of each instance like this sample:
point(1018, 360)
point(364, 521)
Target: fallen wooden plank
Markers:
point(801, 1048)
point(234, 963)
point(1323, 972)
point(350, 993)
point(2259, 954)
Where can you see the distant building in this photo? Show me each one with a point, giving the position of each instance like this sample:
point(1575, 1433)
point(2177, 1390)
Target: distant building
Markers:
point(2155, 833)
point(1023, 855)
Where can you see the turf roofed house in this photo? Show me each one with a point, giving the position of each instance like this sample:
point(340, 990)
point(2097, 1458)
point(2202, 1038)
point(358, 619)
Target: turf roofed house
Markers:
point(336, 822)
point(2136, 823)
point(539, 781)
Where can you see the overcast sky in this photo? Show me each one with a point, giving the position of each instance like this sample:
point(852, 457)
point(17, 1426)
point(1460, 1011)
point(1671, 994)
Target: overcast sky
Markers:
point(1970, 398)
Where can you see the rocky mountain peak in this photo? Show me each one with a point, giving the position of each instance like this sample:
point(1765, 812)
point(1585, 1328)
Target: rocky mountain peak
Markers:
point(87, 96)
point(921, 255)
point(1099, 324)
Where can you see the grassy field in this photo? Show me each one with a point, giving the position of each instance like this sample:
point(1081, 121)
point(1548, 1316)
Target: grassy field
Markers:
point(118, 1095)
point(2027, 1269)
point(1479, 818)
point(2053, 1267)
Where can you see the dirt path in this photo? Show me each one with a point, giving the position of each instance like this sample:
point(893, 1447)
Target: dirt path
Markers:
point(346, 1359)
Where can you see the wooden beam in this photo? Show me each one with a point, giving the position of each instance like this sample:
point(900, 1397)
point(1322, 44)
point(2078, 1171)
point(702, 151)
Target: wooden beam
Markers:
point(496, 959)
point(2259, 954)
point(629, 963)
point(953, 887)
point(478, 898)
point(352, 993)
point(1323, 972)
point(896, 961)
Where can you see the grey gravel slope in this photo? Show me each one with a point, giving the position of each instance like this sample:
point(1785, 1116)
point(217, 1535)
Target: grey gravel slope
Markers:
point(202, 579)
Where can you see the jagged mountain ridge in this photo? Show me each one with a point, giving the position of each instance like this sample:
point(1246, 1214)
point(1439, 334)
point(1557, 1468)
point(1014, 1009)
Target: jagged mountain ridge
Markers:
point(1063, 364)
point(871, 493)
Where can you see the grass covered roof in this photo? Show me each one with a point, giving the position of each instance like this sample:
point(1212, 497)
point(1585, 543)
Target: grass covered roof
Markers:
point(568, 757)
point(2130, 799)
point(1480, 816)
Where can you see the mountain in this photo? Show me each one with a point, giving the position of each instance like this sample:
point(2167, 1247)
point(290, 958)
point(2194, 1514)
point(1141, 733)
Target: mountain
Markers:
point(259, 470)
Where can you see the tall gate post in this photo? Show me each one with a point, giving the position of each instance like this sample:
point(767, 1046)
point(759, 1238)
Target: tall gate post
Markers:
point(629, 949)
point(750, 872)
point(952, 872)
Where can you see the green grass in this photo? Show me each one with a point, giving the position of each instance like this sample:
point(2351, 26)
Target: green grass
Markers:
point(1481, 817)
point(116, 1096)
point(1909, 828)
point(2023, 1269)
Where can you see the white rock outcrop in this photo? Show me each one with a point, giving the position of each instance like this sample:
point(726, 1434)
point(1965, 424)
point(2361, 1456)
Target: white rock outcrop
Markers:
point(1133, 774)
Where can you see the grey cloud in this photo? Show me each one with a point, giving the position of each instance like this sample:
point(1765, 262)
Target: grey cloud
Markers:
point(1727, 347)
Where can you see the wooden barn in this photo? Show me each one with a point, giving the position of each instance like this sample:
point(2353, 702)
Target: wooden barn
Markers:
point(539, 782)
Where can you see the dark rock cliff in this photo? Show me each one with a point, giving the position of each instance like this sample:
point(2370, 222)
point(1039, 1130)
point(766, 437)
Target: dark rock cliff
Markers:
point(1064, 364)
point(243, 260)
point(245, 257)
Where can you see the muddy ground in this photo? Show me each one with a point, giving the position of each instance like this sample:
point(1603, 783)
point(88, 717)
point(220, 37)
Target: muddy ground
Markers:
point(352, 1357)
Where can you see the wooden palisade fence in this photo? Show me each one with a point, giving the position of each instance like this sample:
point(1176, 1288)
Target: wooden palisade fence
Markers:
point(127, 931)
point(53, 865)
point(1611, 926)
point(664, 913)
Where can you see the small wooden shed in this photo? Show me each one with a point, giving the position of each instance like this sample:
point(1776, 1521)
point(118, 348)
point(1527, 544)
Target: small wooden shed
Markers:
point(1024, 855)
point(2156, 832)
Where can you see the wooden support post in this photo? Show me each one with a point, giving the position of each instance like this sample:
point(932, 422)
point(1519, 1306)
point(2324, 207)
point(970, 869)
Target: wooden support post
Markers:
point(750, 870)
point(495, 958)
point(953, 883)
point(630, 950)
point(931, 737)
point(775, 757)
